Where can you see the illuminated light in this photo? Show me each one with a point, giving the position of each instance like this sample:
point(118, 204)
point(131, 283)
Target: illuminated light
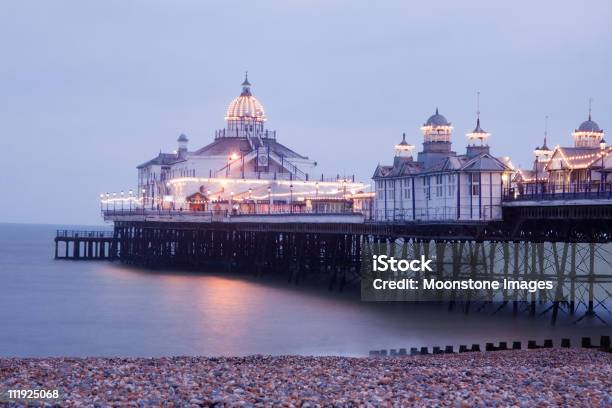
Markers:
point(405, 148)
point(225, 181)
point(481, 136)
point(245, 106)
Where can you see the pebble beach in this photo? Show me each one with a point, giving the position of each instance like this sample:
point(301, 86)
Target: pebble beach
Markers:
point(526, 378)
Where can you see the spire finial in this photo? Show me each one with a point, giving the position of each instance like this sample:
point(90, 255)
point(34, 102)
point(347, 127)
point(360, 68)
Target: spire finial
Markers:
point(246, 85)
point(545, 130)
point(437, 111)
point(590, 105)
point(246, 79)
point(404, 137)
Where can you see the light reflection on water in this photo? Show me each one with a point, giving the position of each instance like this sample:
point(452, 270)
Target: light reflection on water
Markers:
point(58, 308)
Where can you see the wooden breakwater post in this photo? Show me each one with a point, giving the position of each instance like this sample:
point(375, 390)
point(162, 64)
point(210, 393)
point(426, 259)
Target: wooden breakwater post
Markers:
point(85, 245)
point(604, 345)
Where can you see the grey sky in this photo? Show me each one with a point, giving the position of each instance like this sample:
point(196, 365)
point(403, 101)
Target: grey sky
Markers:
point(88, 90)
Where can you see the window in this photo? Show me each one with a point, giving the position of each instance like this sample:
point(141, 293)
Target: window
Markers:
point(450, 185)
point(475, 182)
point(426, 188)
point(439, 185)
point(407, 190)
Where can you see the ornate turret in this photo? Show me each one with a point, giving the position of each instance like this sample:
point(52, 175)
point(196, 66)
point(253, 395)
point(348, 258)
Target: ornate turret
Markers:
point(588, 133)
point(436, 139)
point(403, 151)
point(182, 145)
point(477, 140)
point(403, 148)
point(436, 130)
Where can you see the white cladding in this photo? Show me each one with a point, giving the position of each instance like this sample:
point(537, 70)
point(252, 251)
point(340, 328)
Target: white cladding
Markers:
point(448, 195)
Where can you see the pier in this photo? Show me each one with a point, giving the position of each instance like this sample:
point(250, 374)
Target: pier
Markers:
point(534, 240)
point(246, 202)
point(560, 238)
point(85, 245)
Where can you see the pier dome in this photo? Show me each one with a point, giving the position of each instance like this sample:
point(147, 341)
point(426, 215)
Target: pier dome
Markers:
point(588, 134)
point(437, 120)
point(589, 126)
point(245, 106)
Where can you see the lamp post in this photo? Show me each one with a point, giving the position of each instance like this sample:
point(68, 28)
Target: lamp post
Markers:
point(114, 201)
point(250, 198)
point(602, 146)
point(231, 202)
point(122, 200)
point(535, 167)
point(107, 196)
point(269, 199)
point(291, 198)
point(131, 194)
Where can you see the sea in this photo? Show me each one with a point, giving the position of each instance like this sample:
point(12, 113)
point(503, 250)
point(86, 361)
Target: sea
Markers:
point(100, 308)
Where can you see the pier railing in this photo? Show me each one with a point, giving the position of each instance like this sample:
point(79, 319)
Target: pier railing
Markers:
point(84, 234)
point(220, 213)
point(573, 191)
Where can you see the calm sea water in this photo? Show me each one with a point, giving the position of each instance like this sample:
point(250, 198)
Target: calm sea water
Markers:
point(66, 308)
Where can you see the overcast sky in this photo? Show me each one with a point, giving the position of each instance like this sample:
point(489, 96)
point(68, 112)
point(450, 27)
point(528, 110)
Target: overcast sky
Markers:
point(89, 90)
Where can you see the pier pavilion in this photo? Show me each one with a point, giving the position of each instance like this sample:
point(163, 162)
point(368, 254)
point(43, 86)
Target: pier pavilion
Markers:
point(581, 170)
point(440, 185)
point(244, 170)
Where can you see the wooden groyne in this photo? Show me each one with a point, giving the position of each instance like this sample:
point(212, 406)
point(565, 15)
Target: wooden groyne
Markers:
point(85, 245)
point(604, 345)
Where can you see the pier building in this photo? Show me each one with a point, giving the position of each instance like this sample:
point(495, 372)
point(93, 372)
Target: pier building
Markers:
point(583, 168)
point(244, 170)
point(441, 185)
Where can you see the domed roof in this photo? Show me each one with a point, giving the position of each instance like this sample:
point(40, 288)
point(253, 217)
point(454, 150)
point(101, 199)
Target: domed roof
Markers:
point(245, 106)
point(437, 120)
point(589, 126)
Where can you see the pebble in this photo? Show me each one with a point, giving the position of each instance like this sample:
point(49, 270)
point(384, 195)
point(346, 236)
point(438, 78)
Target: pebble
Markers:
point(525, 378)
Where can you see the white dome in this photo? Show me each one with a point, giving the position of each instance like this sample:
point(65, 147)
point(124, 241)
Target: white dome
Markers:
point(245, 106)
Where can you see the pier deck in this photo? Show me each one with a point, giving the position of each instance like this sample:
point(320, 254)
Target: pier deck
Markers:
point(85, 244)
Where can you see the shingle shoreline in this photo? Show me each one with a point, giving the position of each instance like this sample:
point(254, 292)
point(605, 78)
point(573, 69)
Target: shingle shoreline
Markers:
point(565, 377)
